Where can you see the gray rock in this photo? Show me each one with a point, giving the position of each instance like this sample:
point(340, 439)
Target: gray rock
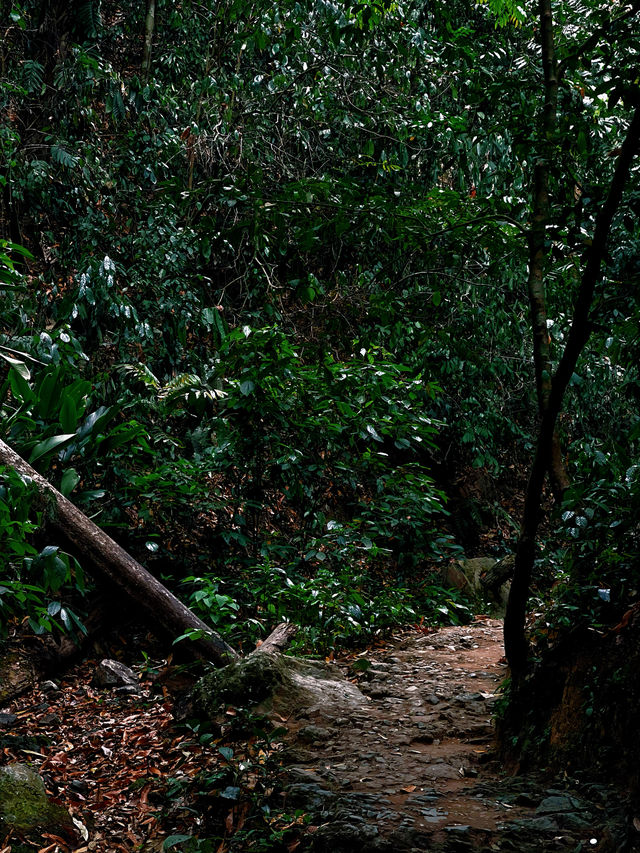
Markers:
point(344, 836)
point(537, 824)
point(441, 771)
point(8, 720)
point(112, 673)
point(314, 734)
point(555, 804)
point(279, 683)
point(423, 736)
point(309, 796)
point(128, 690)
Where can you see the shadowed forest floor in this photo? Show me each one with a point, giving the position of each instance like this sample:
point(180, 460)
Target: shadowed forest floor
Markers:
point(406, 762)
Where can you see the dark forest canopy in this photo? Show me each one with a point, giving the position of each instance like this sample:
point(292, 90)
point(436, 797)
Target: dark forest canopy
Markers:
point(292, 293)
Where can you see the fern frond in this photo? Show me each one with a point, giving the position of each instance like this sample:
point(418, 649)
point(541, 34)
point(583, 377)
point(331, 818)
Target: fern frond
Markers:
point(179, 386)
point(63, 157)
point(33, 76)
point(141, 373)
point(88, 17)
point(114, 103)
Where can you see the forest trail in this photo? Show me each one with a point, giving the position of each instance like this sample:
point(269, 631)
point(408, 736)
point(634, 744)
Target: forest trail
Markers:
point(401, 760)
point(414, 767)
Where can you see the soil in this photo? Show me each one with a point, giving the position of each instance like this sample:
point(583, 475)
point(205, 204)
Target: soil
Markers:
point(403, 760)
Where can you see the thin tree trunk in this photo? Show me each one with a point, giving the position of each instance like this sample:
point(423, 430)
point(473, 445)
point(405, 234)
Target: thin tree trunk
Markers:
point(112, 562)
point(149, 28)
point(538, 244)
point(516, 646)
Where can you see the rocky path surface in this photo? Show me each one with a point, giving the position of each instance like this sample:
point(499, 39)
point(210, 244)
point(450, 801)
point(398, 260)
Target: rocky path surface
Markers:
point(394, 753)
point(407, 764)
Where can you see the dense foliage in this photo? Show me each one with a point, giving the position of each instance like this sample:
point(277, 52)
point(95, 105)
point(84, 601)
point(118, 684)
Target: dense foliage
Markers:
point(273, 318)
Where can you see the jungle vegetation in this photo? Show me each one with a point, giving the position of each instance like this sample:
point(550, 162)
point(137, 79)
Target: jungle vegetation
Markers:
point(303, 301)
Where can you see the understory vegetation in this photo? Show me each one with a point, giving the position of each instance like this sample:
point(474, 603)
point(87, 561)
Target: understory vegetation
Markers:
point(266, 314)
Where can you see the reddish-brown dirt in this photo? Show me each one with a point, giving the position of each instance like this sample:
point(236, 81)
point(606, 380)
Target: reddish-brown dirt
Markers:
point(414, 767)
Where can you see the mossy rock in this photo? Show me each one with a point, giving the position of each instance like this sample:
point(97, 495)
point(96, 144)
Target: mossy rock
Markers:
point(274, 681)
point(25, 809)
point(247, 682)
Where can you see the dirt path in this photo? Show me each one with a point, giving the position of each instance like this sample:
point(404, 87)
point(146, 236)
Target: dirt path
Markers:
point(396, 759)
point(412, 767)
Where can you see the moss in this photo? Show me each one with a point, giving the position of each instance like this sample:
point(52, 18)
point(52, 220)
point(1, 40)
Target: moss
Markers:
point(24, 805)
point(247, 682)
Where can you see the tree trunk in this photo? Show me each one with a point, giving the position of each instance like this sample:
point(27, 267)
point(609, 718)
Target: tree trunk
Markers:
point(516, 646)
point(111, 562)
point(540, 221)
point(149, 27)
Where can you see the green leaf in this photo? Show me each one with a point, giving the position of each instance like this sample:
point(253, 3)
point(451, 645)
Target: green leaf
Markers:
point(19, 366)
point(70, 480)
point(20, 388)
point(174, 840)
point(230, 793)
point(49, 444)
point(361, 665)
point(45, 393)
point(68, 413)
point(62, 157)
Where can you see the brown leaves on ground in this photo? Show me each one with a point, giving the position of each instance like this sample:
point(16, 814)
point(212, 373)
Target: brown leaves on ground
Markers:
point(118, 764)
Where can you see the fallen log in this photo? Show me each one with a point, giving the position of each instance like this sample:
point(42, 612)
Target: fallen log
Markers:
point(500, 573)
point(278, 639)
point(110, 562)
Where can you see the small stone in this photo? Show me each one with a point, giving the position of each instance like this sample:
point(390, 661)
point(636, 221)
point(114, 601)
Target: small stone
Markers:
point(112, 673)
point(441, 771)
point(423, 737)
point(49, 687)
point(433, 699)
point(128, 690)
point(556, 804)
point(8, 720)
point(314, 734)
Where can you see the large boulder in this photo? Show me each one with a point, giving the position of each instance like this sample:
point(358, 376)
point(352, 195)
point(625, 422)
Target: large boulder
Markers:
point(25, 809)
point(275, 681)
point(482, 578)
